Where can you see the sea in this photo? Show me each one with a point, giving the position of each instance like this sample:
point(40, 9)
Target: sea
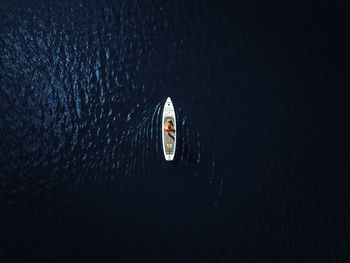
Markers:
point(262, 163)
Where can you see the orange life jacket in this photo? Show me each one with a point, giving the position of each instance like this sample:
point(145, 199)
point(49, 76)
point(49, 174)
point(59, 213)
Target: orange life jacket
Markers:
point(168, 127)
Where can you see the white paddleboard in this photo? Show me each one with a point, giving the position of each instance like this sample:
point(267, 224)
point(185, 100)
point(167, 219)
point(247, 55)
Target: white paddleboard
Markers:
point(169, 138)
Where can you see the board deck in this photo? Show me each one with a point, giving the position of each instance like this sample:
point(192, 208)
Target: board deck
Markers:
point(169, 139)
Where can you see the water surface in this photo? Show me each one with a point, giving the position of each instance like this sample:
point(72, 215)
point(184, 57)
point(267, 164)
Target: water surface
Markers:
point(82, 85)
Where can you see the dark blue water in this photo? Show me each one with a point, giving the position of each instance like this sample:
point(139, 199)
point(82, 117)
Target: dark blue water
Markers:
point(262, 157)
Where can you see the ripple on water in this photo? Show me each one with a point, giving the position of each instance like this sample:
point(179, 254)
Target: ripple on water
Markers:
point(83, 105)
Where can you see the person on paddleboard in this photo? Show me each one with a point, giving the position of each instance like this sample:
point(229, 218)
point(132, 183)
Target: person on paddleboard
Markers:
point(169, 127)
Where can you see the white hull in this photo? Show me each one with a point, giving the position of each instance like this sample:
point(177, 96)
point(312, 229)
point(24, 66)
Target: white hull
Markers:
point(169, 139)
